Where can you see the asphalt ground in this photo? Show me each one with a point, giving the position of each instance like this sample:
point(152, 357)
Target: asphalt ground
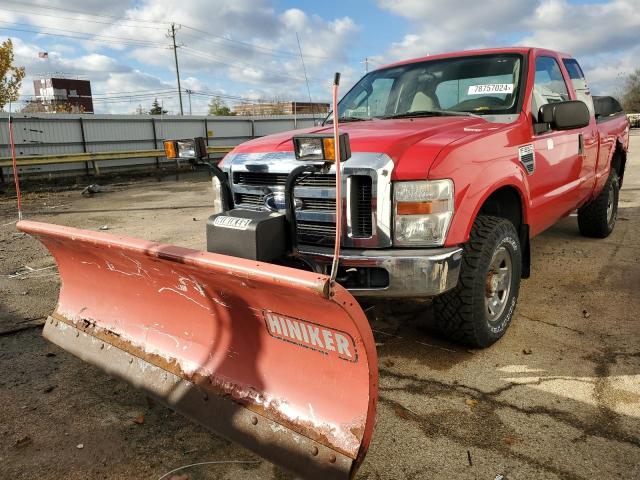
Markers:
point(557, 397)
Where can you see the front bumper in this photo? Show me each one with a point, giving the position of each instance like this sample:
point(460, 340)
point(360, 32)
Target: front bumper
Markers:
point(412, 273)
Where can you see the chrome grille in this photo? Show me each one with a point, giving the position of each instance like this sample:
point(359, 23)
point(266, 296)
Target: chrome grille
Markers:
point(315, 218)
point(257, 178)
point(316, 233)
point(361, 201)
point(249, 199)
point(316, 204)
point(280, 179)
point(328, 204)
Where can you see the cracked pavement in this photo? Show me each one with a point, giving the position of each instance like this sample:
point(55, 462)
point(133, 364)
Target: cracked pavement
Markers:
point(557, 398)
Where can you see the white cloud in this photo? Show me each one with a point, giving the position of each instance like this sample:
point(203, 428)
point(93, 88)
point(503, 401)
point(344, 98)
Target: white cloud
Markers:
point(603, 36)
point(246, 44)
point(584, 29)
point(248, 47)
point(458, 25)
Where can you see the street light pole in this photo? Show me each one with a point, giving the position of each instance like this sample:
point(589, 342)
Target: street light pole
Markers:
point(189, 92)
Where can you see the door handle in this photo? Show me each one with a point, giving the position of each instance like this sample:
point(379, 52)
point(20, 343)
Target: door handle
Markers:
point(580, 144)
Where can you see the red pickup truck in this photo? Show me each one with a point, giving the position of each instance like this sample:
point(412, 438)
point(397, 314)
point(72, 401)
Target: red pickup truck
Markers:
point(451, 164)
point(457, 161)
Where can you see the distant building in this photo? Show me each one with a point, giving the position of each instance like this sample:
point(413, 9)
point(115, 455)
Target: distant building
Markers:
point(73, 95)
point(281, 108)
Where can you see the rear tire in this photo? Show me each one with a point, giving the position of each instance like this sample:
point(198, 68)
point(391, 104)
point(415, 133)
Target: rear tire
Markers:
point(478, 311)
point(597, 218)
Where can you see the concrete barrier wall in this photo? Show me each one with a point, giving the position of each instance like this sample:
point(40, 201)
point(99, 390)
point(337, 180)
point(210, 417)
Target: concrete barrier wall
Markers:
point(49, 134)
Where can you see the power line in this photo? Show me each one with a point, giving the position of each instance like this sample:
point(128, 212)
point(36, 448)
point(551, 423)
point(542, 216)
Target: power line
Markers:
point(84, 20)
point(212, 58)
point(252, 46)
point(134, 92)
point(47, 7)
point(141, 43)
point(119, 95)
point(249, 45)
point(113, 39)
point(224, 95)
point(81, 33)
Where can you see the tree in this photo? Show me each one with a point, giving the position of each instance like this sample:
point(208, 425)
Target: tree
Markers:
point(156, 108)
point(10, 75)
point(139, 110)
point(218, 107)
point(631, 93)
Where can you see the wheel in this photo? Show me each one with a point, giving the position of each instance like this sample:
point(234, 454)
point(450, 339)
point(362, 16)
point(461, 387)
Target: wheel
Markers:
point(598, 217)
point(479, 309)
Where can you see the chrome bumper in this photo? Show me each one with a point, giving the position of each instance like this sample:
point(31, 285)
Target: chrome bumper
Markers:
point(412, 273)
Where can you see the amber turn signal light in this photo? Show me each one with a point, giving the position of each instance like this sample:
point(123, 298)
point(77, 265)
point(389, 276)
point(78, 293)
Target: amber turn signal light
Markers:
point(421, 208)
point(170, 149)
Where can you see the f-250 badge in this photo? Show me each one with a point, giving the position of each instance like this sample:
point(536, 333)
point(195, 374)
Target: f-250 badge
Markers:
point(527, 156)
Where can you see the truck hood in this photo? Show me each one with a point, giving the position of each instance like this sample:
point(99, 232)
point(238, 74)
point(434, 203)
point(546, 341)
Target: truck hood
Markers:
point(394, 137)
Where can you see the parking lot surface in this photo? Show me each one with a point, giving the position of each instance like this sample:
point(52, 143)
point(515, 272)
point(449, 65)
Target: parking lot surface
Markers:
point(557, 398)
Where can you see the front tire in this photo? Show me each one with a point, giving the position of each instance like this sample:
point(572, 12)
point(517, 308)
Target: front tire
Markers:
point(597, 218)
point(478, 311)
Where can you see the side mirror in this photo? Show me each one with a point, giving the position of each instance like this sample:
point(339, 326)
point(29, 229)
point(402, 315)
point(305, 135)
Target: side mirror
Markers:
point(565, 115)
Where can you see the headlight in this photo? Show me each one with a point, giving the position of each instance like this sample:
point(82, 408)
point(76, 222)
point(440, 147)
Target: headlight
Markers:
point(422, 212)
point(322, 147)
point(192, 148)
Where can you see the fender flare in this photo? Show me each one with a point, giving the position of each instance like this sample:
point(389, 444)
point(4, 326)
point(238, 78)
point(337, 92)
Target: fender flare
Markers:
point(522, 189)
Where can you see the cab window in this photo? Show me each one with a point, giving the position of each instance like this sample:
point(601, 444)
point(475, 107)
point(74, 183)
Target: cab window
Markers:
point(572, 66)
point(370, 101)
point(549, 85)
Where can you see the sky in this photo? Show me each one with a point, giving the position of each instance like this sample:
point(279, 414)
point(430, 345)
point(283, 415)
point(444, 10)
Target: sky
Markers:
point(244, 50)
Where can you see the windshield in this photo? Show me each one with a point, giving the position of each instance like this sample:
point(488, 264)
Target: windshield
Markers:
point(483, 84)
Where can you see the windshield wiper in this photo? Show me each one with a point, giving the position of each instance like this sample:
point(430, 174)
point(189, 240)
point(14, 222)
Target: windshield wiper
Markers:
point(432, 113)
point(349, 119)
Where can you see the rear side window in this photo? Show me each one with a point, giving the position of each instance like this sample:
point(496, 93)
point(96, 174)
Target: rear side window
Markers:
point(579, 83)
point(572, 66)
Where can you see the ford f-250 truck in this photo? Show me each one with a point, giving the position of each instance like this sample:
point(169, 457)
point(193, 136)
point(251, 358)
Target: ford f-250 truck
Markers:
point(451, 164)
point(457, 160)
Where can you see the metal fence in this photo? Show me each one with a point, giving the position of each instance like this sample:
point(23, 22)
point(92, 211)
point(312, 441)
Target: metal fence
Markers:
point(55, 134)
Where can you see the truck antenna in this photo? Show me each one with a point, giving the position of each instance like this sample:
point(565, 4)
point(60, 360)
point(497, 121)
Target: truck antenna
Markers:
point(304, 70)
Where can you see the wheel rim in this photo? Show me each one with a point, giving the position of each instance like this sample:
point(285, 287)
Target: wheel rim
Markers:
point(498, 284)
point(611, 200)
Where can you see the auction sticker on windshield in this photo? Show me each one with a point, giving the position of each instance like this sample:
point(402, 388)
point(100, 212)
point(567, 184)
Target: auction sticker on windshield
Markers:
point(490, 88)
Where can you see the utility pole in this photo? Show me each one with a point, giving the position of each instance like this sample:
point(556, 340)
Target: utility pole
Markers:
point(172, 34)
point(189, 92)
point(366, 64)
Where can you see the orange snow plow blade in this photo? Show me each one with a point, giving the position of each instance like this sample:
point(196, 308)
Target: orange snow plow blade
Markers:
point(267, 356)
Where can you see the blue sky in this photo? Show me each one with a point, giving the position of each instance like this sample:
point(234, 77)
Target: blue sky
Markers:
point(246, 49)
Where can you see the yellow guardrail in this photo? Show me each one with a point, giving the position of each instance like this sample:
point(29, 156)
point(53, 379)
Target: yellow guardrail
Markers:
point(23, 161)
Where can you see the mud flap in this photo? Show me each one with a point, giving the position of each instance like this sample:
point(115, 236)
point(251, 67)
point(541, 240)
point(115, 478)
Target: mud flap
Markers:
point(267, 356)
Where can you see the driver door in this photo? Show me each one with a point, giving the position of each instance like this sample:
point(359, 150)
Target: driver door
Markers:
point(556, 173)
